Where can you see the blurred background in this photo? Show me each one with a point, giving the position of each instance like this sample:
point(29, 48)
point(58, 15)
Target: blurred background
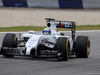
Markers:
point(34, 12)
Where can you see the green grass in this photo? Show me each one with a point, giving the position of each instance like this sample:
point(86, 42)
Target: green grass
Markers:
point(21, 28)
point(40, 28)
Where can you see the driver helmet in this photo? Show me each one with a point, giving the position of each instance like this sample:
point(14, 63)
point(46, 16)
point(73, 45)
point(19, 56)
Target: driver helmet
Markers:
point(47, 31)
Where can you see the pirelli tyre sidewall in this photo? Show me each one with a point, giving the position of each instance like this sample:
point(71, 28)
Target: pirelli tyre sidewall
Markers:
point(10, 41)
point(63, 48)
point(82, 46)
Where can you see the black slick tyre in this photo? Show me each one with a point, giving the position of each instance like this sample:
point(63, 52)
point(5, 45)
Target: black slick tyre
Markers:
point(82, 46)
point(63, 48)
point(10, 41)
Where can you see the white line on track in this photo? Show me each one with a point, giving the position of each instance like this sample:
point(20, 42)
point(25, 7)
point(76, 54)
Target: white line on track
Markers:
point(59, 31)
point(84, 31)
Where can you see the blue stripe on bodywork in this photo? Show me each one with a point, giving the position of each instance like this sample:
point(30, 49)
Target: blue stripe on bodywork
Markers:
point(15, 3)
point(73, 4)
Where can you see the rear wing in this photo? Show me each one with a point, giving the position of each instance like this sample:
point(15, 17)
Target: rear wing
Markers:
point(63, 24)
point(66, 24)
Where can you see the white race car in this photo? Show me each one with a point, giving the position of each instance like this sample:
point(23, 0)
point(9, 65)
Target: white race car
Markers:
point(48, 43)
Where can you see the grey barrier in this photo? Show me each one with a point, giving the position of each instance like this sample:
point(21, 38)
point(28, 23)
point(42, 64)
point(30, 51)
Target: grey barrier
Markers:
point(67, 4)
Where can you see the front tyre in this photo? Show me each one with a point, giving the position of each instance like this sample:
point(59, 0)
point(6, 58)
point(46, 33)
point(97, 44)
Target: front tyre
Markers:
point(82, 46)
point(63, 48)
point(10, 41)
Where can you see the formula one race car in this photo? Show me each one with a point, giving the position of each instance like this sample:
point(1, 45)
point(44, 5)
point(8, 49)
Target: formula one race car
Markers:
point(48, 43)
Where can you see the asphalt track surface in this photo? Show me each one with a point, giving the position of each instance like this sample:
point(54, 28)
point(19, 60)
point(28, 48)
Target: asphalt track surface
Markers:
point(20, 65)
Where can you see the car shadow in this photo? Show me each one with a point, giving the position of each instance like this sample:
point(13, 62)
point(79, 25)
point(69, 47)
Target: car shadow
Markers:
point(47, 59)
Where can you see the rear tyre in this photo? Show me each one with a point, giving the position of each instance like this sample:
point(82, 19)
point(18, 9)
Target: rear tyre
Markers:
point(63, 48)
point(82, 46)
point(10, 41)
